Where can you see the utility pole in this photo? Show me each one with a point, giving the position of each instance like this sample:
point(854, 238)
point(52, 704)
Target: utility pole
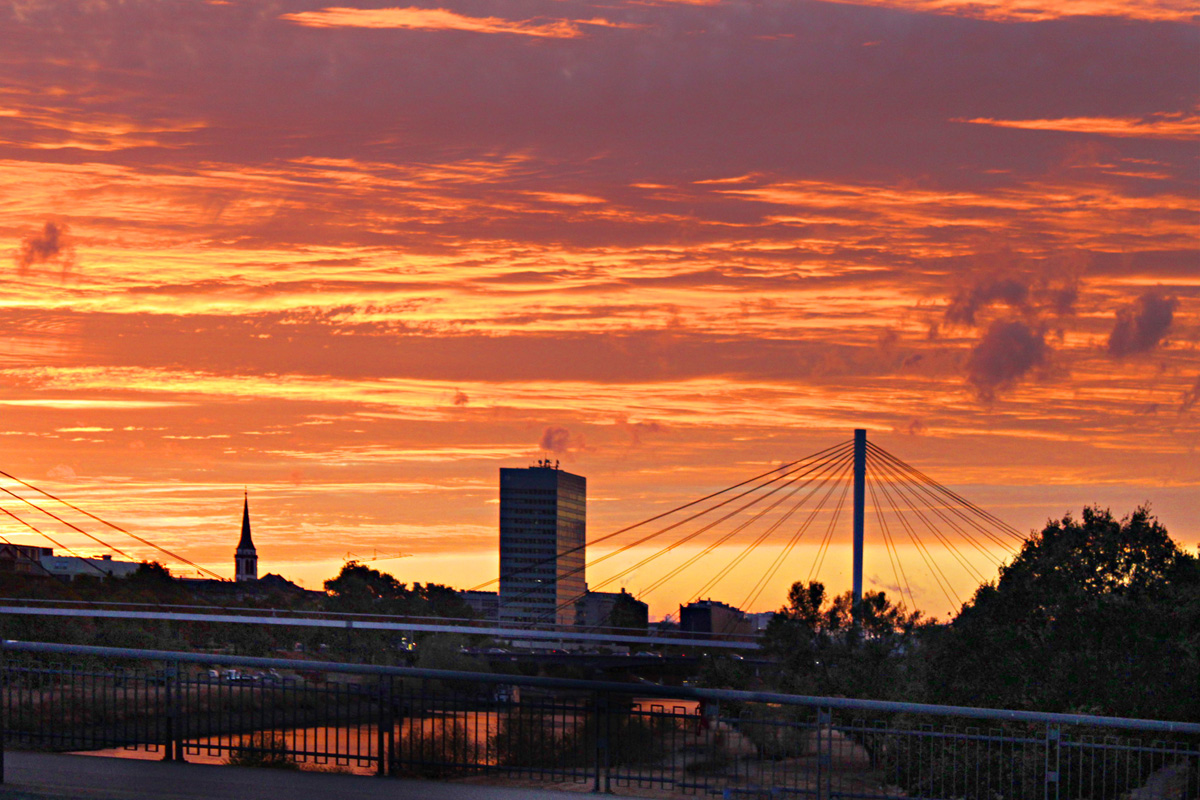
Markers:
point(860, 485)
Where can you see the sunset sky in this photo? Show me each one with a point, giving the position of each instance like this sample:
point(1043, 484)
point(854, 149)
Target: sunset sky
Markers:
point(356, 258)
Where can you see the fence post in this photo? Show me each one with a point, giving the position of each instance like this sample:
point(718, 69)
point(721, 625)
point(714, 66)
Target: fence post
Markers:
point(1053, 754)
point(173, 746)
point(4, 693)
point(824, 754)
point(602, 719)
point(386, 727)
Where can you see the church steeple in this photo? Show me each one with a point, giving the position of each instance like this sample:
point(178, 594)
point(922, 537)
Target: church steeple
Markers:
point(245, 558)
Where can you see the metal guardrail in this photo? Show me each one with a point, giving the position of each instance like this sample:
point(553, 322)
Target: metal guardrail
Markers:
point(371, 622)
point(448, 724)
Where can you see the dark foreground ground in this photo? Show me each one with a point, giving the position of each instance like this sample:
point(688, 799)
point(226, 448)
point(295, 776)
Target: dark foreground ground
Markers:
point(41, 776)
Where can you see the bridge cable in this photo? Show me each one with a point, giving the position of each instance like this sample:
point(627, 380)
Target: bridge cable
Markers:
point(114, 526)
point(893, 553)
point(973, 521)
point(922, 551)
point(932, 503)
point(902, 492)
point(51, 514)
point(758, 588)
point(900, 487)
point(53, 541)
point(999, 523)
point(826, 541)
point(763, 582)
point(759, 515)
point(39, 565)
point(729, 567)
point(822, 550)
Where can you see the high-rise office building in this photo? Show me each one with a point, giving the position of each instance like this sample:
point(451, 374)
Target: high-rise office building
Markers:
point(543, 528)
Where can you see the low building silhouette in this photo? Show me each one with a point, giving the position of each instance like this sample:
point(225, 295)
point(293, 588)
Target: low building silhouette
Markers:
point(486, 605)
point(23, 559)
point(594, 611)
point(714, 617)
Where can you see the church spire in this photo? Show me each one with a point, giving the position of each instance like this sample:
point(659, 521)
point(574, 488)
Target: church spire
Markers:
point(246, 542)
point(245, 558)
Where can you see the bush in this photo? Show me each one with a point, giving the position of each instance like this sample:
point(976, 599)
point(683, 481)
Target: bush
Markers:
point(778, 733)
point(535, 736)
point(540, 736)
point(434, 748)
point(262, 750)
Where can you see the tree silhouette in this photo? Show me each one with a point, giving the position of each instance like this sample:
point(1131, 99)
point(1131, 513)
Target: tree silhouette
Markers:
point(821, 649)
point(1096, 614)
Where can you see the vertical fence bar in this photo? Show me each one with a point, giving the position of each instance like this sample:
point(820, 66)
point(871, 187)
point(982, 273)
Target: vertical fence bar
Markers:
point(602, 782)
point(824, 752)
point(4, 684)
point(386, 726)
point(169, 727)
point(180, 711)
point(1053, 755)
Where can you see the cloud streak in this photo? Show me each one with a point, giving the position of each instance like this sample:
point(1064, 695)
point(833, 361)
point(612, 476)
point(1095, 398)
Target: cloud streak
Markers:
point(1017, 11)
point(1184, 127)
point(440, 19)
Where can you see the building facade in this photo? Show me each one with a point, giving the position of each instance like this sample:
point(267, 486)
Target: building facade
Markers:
point(543, 531)
point(714, 617)
point(23, 559)
point(72, 567)
point(486, 605)
point(594, 611)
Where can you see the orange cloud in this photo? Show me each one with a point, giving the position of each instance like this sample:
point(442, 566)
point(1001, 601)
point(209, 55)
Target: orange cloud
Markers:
point(435, 19)
point(1157, 126)
point(50, 127)
point(1019, 11)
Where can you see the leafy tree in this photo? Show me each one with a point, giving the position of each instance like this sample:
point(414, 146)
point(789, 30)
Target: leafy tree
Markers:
point(151, 573)
point(1096, 614)
point(359, 588)
point(436, 600)
point(822, 649)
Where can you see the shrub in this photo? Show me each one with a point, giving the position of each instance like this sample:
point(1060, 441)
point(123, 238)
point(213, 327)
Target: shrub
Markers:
point(567, 737)
point(434, 748)
point(263, 749)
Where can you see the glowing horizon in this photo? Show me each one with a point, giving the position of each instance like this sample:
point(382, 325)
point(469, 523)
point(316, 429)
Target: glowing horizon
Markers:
point(360, 257)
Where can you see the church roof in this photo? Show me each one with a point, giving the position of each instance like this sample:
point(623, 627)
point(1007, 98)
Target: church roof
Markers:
point(246, 543)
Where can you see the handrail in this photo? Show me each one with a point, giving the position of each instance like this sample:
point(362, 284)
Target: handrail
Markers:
point(642, 690)
point(327, 615)
point(347, 623)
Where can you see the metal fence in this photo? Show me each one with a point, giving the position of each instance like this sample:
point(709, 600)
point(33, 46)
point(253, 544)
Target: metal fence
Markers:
point(452, 725)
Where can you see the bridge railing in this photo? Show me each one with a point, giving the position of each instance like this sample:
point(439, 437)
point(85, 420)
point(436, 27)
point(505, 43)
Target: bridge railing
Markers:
point(544, 634)
point(450, 725)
